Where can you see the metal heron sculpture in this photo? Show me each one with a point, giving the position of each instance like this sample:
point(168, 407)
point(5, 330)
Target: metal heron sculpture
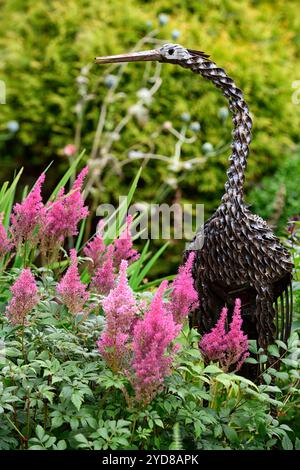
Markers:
point(237, 254)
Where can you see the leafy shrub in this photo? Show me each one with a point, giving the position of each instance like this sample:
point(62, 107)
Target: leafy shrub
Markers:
point(57, 392)
point(51, 42)
point(276, 197)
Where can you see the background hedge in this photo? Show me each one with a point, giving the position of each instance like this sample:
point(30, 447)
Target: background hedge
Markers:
point(44, 45)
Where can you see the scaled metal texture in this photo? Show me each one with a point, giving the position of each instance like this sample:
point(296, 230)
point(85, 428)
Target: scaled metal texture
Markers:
point(237, 254)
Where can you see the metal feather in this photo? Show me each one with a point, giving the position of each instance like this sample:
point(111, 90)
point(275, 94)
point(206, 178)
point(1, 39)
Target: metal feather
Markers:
point(240, 253)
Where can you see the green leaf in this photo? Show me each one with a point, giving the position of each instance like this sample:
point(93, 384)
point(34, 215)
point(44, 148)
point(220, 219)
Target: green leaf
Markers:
point(297, 444)
point(251, 360)
point(137, 266)
point(159, 423)
point(82, 439)
point(230, 433)
point(61, 445)
point(267, 378)
point(224, 379)
point(80, 235)
point(273, 350)
point(40, 432)
point(7, 198)
point(77, 399)
point(212, 369)
point(287, 443)
point(263, 358)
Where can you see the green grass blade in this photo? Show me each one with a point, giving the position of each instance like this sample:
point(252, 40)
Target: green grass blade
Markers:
point(155, 282)
point(119, 214)
point(150, 263)
point(80, 235)
point(137, 266)
point(7, 199)
point(3, 189)
point(24, 193)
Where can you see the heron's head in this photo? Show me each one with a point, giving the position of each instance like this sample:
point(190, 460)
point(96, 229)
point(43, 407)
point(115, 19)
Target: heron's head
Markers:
point(166, 53)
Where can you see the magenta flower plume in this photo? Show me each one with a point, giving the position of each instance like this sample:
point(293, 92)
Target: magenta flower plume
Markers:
point(120, 310)
point(120, 306)
point(184, 297)
point(78, 184)
point(152, 354)
point(24, 298)
point(27, 215)
point(123, 246)
point(63, 216)
point(71, 289)
point(5, 244)
point(95, 249)
point(104, 278)
point(230, 348)
point(237, 341)
point(213, 344)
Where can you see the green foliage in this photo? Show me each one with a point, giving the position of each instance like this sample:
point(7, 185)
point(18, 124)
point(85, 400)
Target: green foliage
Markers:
point(277, 197)
point(57, 393)
point(51, 41)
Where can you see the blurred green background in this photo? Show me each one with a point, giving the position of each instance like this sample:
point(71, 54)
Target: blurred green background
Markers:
point(55, 94)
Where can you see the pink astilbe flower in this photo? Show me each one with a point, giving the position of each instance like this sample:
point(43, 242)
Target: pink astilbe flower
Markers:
point(230, 348)
point(63, 216)
point(237, 341)
point(104, 277)
point(95, 249)
point(123, 246)
point(213, 344)
point(71, 289)
point(120, 306)
point(120, 310)
point(184, 297)
point(27, 215)
point(114, 349)
point(152, 351)
point(78, 184)
point(24, 298)
point(5, 244)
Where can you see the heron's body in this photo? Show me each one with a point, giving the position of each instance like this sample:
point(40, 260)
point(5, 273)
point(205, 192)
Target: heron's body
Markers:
point(237, 254)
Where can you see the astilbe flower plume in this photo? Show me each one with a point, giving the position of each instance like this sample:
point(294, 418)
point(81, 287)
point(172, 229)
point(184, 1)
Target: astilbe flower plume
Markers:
point(95, 249)
point(104, 261)
point(123, 246)
point(71, 289)
point(5, 244)
point(24, 298)
point(63, 216)
point(184, 297)
point(27, 215)
point(152, 351)
point(104, 278)
point(230, 348)
point(120, 310)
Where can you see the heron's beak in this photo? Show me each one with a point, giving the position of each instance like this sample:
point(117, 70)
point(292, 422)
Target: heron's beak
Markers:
point(143, 56)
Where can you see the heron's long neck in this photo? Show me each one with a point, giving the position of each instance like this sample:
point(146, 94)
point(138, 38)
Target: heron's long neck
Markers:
point(234, 187)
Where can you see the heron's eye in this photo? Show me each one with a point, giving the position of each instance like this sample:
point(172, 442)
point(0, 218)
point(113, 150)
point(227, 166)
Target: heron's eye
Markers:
point(171, 51)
